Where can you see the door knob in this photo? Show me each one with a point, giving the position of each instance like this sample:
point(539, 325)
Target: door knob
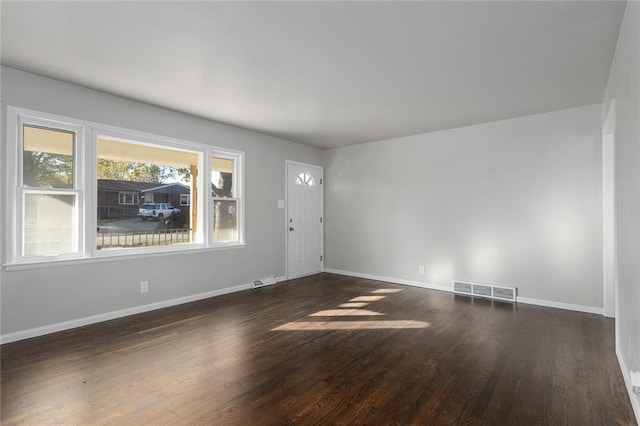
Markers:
point(291, 228)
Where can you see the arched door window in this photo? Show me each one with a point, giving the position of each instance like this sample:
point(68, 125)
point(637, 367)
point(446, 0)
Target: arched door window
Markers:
point(305, 179)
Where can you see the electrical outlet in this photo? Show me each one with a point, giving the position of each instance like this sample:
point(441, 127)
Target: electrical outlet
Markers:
point(421, 269)
point(144, 286)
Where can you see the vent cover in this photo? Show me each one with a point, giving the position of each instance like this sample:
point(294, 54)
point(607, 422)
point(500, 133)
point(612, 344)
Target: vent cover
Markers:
point(485, 290)
point(263, 282)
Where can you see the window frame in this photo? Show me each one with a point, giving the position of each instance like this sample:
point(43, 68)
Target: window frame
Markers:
point(85, 188)
point(238, 192)
point(146, 139)
point(135, 198)
point(16, 190)
point(188, 198)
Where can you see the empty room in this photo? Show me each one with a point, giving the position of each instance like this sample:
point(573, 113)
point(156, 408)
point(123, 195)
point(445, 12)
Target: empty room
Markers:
point(320, 212)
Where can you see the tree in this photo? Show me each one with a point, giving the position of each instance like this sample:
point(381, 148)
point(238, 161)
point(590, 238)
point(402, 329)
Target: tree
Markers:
point(184, 173)
point(140, 172)
point(45, 170)
point(110, 169)
point(148, 173)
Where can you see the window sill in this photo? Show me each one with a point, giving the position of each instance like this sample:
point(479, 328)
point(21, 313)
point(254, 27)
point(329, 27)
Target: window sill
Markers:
point(114, 257)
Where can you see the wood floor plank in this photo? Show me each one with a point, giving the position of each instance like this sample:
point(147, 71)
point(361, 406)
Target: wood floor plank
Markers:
point(290, 353)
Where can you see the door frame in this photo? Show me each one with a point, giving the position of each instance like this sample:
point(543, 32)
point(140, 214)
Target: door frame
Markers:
point(609, 225)
point(286, 212)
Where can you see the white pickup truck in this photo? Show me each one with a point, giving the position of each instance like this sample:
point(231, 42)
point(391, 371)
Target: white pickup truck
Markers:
point(156, 211)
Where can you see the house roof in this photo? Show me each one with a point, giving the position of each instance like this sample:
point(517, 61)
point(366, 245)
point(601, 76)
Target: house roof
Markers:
point(152, 187)
point(170, 188)
point(122, 185)
point(148, 187)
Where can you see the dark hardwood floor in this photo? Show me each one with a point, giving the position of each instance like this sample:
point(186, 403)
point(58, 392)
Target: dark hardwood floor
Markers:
point(290, 353)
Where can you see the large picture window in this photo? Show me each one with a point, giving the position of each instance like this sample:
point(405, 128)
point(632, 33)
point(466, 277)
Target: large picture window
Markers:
point(156, 174)
point(87, 190)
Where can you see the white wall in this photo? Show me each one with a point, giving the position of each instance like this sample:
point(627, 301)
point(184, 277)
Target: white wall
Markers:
point(40, 297)
point(624, 87)
point(515, 202)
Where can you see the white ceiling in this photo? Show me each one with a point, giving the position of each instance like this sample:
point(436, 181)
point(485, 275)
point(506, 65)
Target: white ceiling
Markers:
point(325, 74)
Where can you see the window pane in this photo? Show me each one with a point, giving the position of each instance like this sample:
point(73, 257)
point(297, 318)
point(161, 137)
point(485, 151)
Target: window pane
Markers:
point(222, 177)
point(49, 224)
point(225, 221)
point(47, 157)
point(128, 198)
point(140, 188)
point(305, 179)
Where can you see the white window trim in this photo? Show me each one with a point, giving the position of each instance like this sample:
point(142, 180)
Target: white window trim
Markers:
point(15, 190)
point(85, 186)
point(188, 198)
point(237, 184)
point(135, 198)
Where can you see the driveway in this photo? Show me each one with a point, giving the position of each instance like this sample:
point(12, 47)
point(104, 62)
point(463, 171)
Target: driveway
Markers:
point(128, 225)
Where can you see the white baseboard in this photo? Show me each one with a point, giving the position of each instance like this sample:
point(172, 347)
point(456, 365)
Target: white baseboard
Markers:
point(525, 300)
point(280, 279)
point(66, 325)
point(560, 305)
point(635, 399)
point(389, 279)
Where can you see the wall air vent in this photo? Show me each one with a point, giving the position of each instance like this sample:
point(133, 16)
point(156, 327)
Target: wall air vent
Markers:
point(263, 282)
point(485, 290)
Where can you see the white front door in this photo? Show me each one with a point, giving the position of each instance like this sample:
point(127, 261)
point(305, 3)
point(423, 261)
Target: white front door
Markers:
point(304, 219)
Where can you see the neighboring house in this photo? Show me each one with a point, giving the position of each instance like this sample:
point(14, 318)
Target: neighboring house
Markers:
point(118, 198)
point(176, 194)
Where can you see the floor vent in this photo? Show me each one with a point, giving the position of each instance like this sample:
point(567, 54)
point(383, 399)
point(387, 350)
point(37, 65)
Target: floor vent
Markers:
point(263, 282)
point(485, 290)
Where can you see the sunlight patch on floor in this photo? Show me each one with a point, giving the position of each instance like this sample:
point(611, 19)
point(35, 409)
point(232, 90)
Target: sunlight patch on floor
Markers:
point(345, 313)
point(353, 305)
point(367, 298)
point(350, 325)
point(350, 309)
